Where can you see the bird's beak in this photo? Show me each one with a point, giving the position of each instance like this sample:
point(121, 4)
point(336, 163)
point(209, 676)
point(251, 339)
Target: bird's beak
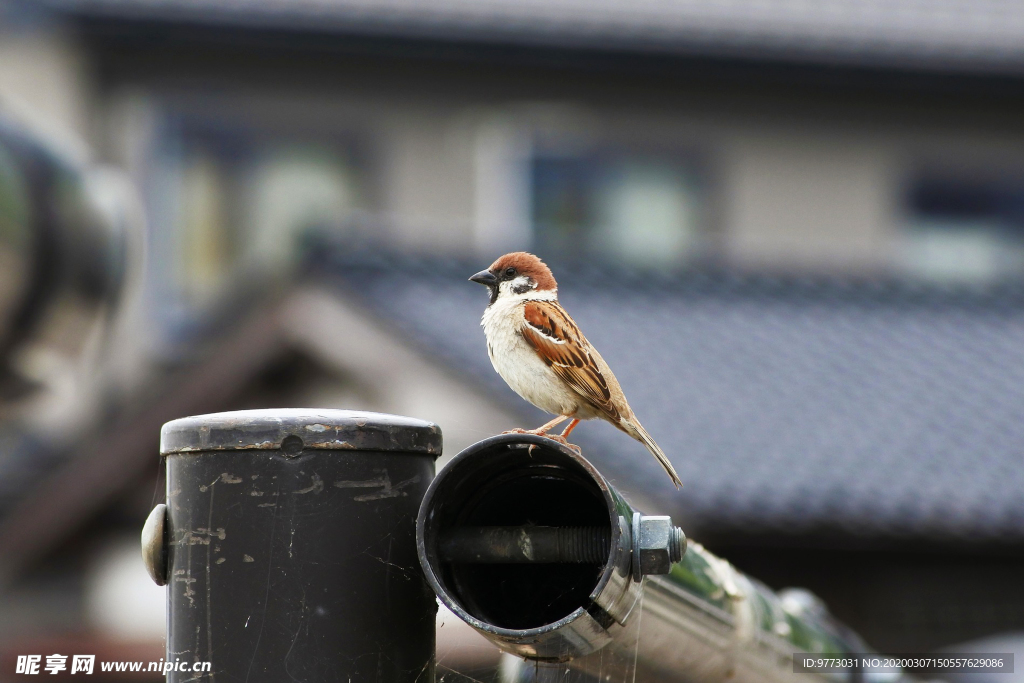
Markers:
point(485, 277)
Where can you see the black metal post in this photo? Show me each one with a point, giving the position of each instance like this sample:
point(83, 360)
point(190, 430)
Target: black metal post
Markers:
point(292, 546)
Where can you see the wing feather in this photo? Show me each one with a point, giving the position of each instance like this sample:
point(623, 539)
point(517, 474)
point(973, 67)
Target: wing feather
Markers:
point(557, 340)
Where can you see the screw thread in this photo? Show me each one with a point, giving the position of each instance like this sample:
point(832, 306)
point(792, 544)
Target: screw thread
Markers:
point(676, 545)
point(584, 544)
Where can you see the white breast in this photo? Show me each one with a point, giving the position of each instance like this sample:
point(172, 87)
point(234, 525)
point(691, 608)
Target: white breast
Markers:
point(518, 364)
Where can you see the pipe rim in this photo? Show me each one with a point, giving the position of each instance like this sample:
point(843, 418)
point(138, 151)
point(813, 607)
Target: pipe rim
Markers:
point(315, 428)
point(444, 594)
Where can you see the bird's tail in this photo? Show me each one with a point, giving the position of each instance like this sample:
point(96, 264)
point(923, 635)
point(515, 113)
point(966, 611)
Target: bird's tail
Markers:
point(637, 431)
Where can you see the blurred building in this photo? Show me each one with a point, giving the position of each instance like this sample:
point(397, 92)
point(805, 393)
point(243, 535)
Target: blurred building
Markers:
point(821, 205)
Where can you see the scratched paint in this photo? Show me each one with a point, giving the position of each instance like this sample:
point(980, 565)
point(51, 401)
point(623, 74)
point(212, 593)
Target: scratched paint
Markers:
point(316, 487)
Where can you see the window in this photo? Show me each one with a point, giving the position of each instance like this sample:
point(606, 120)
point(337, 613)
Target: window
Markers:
point(291, 189)
point(646, 210)
point(240, 200)
point(968, 230)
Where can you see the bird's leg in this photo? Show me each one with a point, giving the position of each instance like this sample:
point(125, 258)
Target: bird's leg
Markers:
point(548, 426)
point(542, 430)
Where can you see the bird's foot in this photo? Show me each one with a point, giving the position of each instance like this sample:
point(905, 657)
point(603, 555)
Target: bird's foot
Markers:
point(562, 440)
point(543, 432)
point(535, 432)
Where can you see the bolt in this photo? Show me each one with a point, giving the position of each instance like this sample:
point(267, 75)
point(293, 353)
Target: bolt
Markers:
point(291, 446)
point(154, 544)
point(527, 544)
point(677, 546)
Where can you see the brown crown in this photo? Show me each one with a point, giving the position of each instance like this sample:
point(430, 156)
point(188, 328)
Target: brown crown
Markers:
point(526, 264)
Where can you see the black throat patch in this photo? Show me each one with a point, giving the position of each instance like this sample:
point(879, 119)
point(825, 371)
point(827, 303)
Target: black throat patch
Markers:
point(525, 287)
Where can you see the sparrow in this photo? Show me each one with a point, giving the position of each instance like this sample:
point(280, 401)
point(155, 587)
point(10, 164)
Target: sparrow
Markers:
point(541, 354)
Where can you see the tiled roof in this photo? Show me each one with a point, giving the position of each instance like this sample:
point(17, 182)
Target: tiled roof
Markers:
point(786, 406)
point(983, 35)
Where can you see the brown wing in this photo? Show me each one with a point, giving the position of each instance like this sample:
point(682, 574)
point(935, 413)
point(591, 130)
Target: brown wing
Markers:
point(557, 340)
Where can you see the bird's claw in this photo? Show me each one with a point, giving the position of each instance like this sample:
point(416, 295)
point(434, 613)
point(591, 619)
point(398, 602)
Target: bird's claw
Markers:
point(562, 440)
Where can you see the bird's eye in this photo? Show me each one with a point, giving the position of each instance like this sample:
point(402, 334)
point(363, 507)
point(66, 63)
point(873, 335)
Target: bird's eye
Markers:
point(509, 272)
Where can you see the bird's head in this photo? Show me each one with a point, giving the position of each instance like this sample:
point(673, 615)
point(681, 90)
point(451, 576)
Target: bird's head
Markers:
point(519, 275)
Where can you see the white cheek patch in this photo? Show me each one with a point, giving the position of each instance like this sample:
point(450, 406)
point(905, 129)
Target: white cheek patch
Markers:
point(523, 288)
point(517, 286)
point(522, 284)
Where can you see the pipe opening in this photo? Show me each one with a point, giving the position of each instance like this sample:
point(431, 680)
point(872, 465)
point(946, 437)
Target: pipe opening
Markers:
point(526, 494)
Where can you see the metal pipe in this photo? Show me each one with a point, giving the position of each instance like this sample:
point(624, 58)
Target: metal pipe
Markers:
point(701, 620)
point(288, 546)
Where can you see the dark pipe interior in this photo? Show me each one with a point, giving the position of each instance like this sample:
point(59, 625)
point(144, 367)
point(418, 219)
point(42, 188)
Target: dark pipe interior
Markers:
point(511, 488)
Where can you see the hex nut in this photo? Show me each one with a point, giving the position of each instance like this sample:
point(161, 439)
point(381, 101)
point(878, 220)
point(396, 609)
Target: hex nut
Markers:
point(657, 544)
